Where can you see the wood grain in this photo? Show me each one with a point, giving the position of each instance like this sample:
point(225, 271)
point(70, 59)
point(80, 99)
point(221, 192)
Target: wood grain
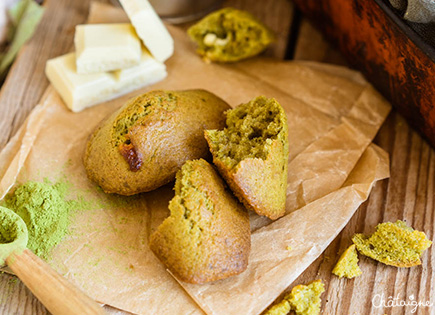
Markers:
point(58, 294)
point(26, 81)
point(19, 94)
point(408, 194)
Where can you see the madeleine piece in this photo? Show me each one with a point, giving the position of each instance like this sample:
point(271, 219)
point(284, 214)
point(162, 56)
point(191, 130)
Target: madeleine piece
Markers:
point(142, 145)
point(283, 307)
point(251, 153)
point(207, 235)
point(347, 264)
point(394, 244)
point(230, 35)
point(305, 299)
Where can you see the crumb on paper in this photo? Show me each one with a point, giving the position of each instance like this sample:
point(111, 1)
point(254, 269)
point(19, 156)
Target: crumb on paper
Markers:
point(347, 264)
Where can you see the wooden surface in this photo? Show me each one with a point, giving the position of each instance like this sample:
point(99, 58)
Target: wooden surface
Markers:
point(58, 295)
point(408, 194)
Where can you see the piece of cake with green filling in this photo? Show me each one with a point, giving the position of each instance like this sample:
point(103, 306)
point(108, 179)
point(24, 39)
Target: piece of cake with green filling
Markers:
point(230, 35)
point(347, 264)
point(142, 145)
point(305, 299)
point(207, 235)
point(281, 308)
point(251, 153)
point(394, 244)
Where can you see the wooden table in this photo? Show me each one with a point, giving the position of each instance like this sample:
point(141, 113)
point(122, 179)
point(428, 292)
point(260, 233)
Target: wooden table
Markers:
point(407, 195)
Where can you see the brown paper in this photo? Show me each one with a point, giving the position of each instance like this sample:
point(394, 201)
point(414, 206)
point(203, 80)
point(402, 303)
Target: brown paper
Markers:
point(333, 116)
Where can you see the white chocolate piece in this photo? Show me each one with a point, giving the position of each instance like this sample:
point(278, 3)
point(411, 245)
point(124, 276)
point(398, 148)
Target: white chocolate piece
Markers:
point(106, 47)
point(150, 28)
point(80, 91)
point(147, 72)
point(212, 40)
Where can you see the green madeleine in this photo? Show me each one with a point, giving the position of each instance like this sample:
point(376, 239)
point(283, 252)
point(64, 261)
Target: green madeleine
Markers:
point(230, 35)
point(251, 153)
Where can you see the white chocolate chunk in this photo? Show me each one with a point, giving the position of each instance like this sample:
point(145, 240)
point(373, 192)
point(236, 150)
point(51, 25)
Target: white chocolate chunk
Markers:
point(80, 91)
point(147, 72)
point(209, 39)
point(106, 47)
point(212, 40)
point(150, 28)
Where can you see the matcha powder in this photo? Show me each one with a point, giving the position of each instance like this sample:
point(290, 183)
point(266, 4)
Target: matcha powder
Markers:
point(8, 231)
point(44, 209)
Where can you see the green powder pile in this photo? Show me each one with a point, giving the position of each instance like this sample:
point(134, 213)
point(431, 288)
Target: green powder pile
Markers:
point(13, 234)
point(8, 227)
point(46, 212)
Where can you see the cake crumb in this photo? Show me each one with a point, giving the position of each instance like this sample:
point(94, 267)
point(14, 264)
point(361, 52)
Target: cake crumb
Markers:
point(281, 308)
point(303, 299)
point(394, 244)
point(347, 264)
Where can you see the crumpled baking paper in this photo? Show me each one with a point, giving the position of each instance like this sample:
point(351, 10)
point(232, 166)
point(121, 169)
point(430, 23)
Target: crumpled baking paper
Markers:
point(333, 115)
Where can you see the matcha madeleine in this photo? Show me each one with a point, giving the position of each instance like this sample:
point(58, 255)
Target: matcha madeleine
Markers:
point(207, 235)
point(230, 35)
point(251, 153)
point(142, 145)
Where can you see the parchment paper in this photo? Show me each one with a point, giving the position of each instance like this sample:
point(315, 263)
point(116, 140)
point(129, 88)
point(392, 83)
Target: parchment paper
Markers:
point(333, 116)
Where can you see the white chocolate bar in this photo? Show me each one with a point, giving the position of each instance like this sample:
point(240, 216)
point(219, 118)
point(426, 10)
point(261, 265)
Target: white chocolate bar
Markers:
point(150, 28)
point(80, 91)
point(106, 47)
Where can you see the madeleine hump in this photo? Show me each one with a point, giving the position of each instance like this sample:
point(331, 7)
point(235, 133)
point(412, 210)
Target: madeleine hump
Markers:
point(141, 146)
